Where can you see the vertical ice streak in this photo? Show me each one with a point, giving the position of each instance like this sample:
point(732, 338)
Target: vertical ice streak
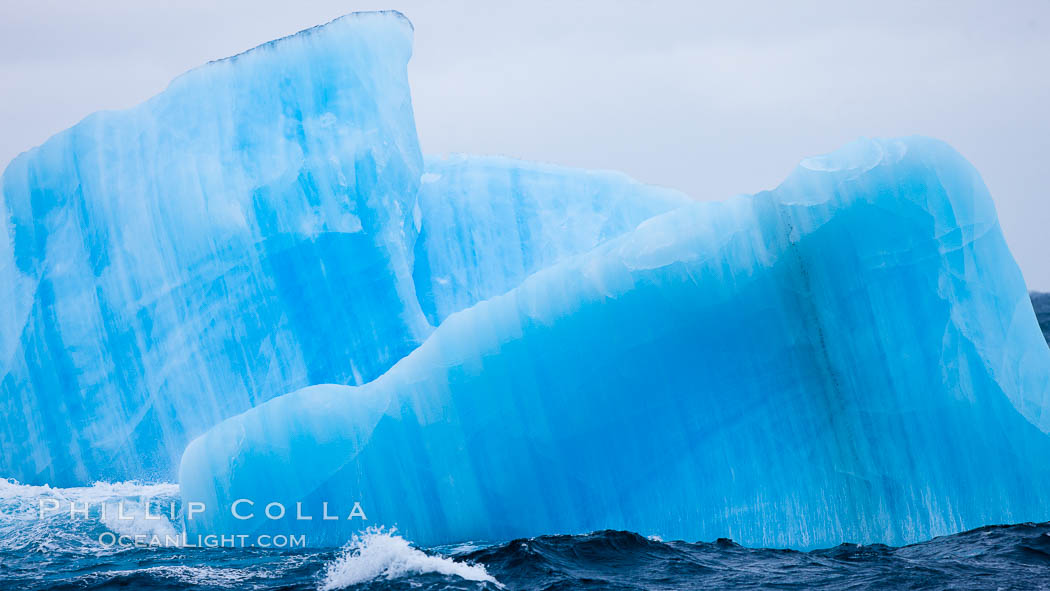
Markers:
point(844, 358)
point(245, 232)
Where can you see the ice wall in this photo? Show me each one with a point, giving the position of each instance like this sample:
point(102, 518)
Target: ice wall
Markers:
point(849, 357)
point(244, 233)
point(258, 227)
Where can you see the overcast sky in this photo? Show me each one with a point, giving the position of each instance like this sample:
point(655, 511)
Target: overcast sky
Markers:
point(714, 99)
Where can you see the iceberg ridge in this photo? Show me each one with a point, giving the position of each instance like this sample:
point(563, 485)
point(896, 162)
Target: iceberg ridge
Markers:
point(823, 362)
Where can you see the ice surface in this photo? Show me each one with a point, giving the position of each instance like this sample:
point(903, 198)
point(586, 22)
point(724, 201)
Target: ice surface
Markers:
point(256, 228)
point(486, 223)
point(849, 357)
point(482, 348)
point(244, 233)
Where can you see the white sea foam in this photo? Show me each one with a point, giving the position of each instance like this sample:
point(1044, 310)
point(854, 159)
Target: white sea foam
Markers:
point(377, 553)
point(96, 493)
point(195, 575)
point(40, 517)
point(136, 522)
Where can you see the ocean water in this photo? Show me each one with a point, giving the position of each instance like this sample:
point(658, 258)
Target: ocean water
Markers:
point(56, 550)
point(1041, 305)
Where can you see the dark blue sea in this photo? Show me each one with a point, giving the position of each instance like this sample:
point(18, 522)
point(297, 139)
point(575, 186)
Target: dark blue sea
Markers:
point(57, 551)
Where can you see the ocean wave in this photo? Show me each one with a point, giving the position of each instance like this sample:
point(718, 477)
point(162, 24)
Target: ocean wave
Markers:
point(382, 554)
point(56, 550)
point(48, 519)
point(1013, 558)
point(99, 491)
point(207, 576)
point(1001, 557)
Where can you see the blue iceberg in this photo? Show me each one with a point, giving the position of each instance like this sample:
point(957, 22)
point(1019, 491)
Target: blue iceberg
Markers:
point(851, 356)
point(256, 228)
point(227, 241)
point(260, 260)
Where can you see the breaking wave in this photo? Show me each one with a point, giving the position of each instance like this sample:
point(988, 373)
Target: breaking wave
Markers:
point(46, 519)
point(382, 554)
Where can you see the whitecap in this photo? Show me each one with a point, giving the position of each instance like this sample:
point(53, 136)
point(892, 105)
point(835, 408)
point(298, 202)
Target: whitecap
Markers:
point(377, 553)
point(50, 519)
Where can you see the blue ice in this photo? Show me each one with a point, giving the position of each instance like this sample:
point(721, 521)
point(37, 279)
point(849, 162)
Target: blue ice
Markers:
point(849, 357)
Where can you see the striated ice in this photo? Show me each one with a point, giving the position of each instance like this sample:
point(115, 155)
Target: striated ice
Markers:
point(231, 239)
point(479, 348)
point(256, 228)
point(488, 222)
point(851, 356)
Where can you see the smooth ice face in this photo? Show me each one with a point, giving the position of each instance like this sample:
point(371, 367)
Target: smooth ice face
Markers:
point(486, 223)
point(244, 233)
point(849, 357)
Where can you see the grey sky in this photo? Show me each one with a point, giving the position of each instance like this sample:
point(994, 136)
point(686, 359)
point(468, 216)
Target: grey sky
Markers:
point(714, 99)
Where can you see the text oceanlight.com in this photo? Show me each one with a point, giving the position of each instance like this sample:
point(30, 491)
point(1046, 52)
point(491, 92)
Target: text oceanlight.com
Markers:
point(110, 539)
